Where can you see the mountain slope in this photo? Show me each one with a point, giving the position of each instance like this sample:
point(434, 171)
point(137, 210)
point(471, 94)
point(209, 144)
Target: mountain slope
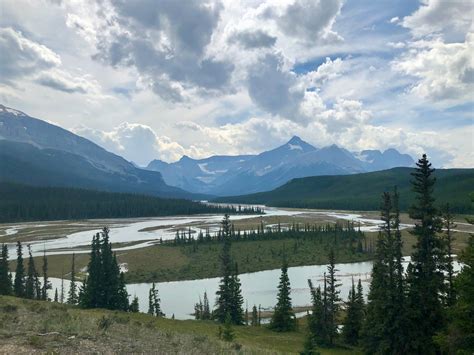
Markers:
point(362, 191)
point(36, 152)
point(227, 175)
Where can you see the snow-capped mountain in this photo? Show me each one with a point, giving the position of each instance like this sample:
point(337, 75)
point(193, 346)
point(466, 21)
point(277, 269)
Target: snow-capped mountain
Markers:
point(235, 175)
point(35, 152)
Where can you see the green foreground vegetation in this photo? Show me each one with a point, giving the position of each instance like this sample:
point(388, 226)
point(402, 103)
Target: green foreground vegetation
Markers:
point(361, 192)
point(36, 326)
point(33, 203)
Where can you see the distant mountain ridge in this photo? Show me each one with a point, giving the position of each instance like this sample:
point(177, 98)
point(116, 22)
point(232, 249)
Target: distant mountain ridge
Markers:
point(363, 191)
point(35, 152)
point(236, 175)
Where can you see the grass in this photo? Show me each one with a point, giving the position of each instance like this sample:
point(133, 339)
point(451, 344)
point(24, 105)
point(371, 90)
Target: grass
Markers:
point(44, 327)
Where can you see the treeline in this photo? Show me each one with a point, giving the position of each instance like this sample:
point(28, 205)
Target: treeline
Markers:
point(360, 192)
point(31, 203)
point(340, 234)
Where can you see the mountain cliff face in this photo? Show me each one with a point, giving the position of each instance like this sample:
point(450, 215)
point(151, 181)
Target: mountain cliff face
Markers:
point(35, 152)
point(234, 175)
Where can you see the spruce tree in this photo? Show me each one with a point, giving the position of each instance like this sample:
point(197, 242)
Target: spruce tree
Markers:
point(5, 279)
point(317, 321)
point(224, 292)
point(227, 332)
point(332, 298)
point(72, 295)
point(31, 287)
point(154, 307)
point(254, 321)
point(236, 301)
point(354, 315)
point(19, 284)
point(56, 297)
point(206, 311)
point(283, 318)
point(425, 276)
point(384, 328)
point(46, 283)
point(449, 225)
point(134, 306)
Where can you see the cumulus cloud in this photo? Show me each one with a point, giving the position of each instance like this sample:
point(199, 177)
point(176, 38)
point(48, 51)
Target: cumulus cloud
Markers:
point(273, 88)
point(440, 16)
point(253, 39)
point(444, 71)
point(311, 20)
point(21, 56)
point(24, 58)
point(166, 43)
point(136, 142)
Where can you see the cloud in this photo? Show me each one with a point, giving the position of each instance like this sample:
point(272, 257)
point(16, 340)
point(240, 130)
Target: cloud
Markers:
point(311, 20)
point(440, 16)
point(253, 39)
point(443, 71)
point(22, 57)
point(136, 142)
point(63, 81)
point(274, 89)
point(166, 43)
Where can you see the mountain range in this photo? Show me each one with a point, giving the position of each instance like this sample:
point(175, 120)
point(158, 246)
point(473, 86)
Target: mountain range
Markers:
point(35, 152)
point(244, 174)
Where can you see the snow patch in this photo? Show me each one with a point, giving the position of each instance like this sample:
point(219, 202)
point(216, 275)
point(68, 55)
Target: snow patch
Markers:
point(295, 146)
point(12, 111)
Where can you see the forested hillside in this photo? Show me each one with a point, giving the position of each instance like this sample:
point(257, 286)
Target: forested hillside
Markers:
point(362, 191)
point(31, 203)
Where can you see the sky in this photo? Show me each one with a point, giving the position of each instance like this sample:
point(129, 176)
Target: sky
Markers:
point(159, 79)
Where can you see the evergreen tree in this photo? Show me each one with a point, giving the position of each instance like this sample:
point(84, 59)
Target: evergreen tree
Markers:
point(122, 295)
point(224, 292)
point(227, 332)
point(283, 318)
point(425, 276)
point(61, 295)
point(154, 307)
point(354, 315)
point(72, 295)
point(5, 278)
point(449, 225)
point(134, 307)
point(19, 284)
point(384, 328)
point(46, 283)
point(254, 321)
point(458, 337)
point(31, 284)
point(236, 301)
point(206, 311)
point(56, 297)
point(332, 298)
point(317, 321)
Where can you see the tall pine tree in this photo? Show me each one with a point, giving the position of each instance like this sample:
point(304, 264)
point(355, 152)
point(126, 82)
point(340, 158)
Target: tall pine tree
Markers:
point(72, 295)
point(5, 278)
point(332, 298)
point(46, 283)
point(425, 278)
point(31, 284)
point(19, 284)
point(283, 318)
